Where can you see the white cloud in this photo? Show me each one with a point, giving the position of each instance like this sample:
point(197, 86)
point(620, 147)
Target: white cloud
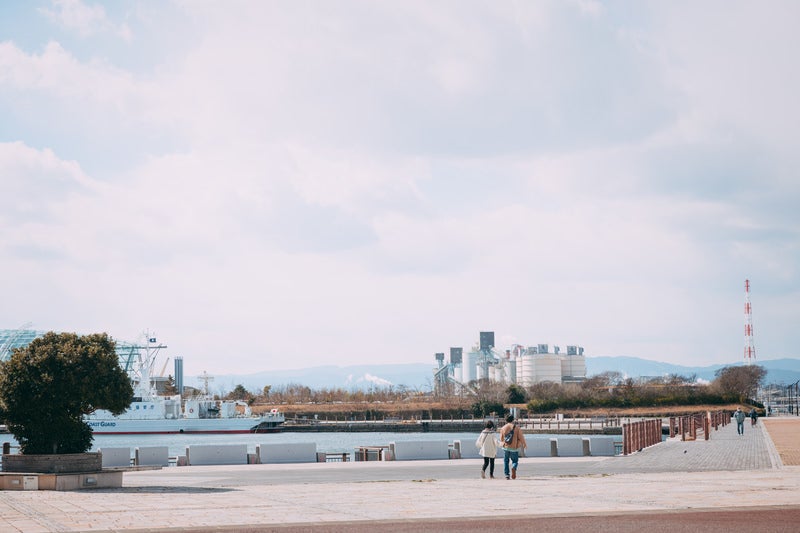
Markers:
point(36, 183)
point(83, 18)
point(382, 181)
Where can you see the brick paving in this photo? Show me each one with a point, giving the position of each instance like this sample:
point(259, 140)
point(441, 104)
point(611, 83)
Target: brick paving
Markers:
point(725, 450)
point(727, 472)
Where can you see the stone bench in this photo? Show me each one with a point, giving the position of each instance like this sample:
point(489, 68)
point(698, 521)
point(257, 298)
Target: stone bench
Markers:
point(296, 452)
point(541, 448)
point(601, 446)
point(222, 454)
point(419, 450)
point(115, 457)
point(151, 456)
point(570, 447)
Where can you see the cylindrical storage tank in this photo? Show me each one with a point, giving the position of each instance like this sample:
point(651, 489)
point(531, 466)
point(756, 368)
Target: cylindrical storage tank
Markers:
point(547, 368)
point(525, 371)
point(511, 371)
point(457, 372)
point(579, 366)
point(470, 371)
point(573, 366)
point(493, 373)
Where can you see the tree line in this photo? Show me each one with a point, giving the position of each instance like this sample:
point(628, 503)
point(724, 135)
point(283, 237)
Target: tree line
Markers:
point(734, 384)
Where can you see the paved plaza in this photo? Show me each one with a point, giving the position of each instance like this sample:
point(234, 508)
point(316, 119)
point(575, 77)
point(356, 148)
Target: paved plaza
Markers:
point(731, 482)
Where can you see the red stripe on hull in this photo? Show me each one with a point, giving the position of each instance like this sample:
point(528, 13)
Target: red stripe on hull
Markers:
point(204, 432)
point(171, 432)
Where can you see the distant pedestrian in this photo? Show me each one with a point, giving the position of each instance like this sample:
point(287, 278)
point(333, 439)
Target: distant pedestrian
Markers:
point(753, 416)
point(487, 445)
point(739, 416)
point(512, 440)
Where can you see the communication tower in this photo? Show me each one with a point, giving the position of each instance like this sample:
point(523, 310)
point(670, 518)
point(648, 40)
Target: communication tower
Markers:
point(749, 346)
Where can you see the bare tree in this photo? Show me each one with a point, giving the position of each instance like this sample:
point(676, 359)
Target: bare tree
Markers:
point(741, 381)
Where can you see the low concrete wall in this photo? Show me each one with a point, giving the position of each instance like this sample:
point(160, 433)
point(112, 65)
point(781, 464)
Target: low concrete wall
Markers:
point(53, 464)
point(468, 449)
point(540, 448)
point(19, 482)
point(570, 446)
point(417, 450)
point(152, 456)
point(600, 446)
point(296, 452)
point(113, 457)
point(223, 454)
point(100, 480)
point(94, 480)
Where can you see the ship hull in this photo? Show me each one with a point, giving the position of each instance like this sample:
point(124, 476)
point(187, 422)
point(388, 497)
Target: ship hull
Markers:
point(144, 427)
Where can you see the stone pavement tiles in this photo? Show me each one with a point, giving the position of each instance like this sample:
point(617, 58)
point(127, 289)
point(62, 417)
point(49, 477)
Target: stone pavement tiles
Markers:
point(725, 450)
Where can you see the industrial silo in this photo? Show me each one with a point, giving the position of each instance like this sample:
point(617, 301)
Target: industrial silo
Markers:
point(547, 367)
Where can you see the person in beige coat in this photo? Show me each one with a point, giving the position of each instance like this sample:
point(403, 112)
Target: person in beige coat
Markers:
point(487, 445)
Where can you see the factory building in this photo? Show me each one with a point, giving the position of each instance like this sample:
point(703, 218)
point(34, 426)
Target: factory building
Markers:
point(521, 365)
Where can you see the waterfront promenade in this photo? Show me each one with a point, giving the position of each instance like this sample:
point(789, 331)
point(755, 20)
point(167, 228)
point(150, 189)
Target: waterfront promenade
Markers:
point(728, 483)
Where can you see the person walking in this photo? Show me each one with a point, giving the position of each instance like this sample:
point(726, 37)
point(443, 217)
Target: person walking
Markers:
point(512, 441)
point(487, 446)
point(739, 417)
point(753, 416)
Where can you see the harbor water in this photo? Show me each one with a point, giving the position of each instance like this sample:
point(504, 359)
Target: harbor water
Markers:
point(328, 442)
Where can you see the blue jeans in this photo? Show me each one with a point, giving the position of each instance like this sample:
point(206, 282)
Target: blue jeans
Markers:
point(740, 428)
point(510, 456)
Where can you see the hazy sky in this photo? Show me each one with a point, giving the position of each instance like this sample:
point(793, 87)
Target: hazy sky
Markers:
point(289, 184)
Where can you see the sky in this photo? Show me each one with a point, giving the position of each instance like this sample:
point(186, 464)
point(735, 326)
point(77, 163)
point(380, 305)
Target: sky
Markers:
point(276, 185)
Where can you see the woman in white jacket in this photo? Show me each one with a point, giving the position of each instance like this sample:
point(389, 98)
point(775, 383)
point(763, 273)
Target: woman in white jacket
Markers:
point(487, 443)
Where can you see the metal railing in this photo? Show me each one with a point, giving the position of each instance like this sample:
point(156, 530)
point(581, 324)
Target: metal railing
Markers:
point(568, 424)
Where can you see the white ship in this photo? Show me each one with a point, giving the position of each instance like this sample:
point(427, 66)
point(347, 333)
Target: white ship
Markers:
point(151, 413)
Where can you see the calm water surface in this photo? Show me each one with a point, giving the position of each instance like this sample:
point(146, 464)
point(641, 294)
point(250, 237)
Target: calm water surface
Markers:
point(329, 442)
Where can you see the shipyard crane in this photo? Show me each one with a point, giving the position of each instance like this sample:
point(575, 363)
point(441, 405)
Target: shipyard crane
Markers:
point(164, 368)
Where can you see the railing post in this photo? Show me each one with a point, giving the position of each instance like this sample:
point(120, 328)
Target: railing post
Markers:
point(639, 436)
point(625, 439)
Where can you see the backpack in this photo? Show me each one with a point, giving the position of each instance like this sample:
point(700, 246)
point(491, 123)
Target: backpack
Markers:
point(509, 436)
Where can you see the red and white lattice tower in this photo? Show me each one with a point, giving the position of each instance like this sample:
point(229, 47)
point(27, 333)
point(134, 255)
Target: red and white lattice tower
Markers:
point(749, 346)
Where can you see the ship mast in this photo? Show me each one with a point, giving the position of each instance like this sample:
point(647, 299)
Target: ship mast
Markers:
point(205, 378)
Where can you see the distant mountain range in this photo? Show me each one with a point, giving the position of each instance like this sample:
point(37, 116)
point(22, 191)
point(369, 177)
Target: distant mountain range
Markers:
point(419, 376)
point(780, 371)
